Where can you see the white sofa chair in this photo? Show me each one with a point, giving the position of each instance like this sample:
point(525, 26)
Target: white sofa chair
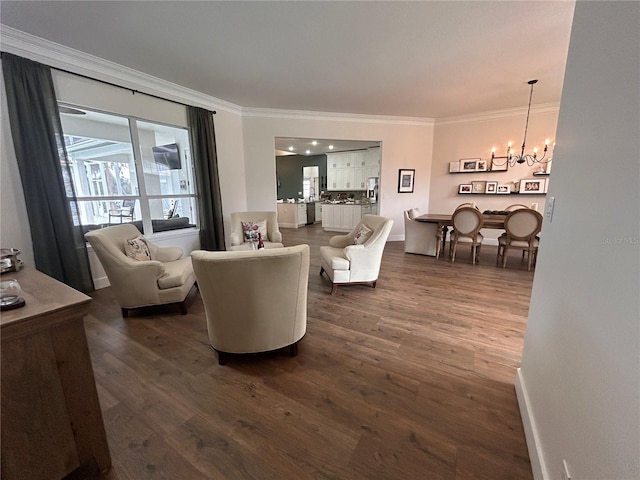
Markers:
point(420, 237)
point(348, 260)
point(167, 278)
point(255, 301)
point(273, 238)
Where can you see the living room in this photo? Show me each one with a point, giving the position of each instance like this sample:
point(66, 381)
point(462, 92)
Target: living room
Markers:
point(593, 397)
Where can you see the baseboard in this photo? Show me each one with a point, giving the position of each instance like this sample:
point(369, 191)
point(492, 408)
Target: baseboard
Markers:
point(530, 430)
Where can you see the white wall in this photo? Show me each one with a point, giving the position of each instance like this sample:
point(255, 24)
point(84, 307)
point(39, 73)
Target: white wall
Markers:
point(579, 384)
point(405, 144)
point(473, 137)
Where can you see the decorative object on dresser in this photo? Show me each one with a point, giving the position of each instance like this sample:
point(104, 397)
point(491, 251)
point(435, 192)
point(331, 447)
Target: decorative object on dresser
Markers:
point(164, 279)
point(254, 301)
point(346, 262)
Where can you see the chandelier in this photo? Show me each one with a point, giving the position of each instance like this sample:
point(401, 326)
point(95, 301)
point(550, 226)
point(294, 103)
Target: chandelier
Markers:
point(529, 158)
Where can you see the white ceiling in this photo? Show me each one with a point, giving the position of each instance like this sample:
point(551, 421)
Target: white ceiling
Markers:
point(427, 59)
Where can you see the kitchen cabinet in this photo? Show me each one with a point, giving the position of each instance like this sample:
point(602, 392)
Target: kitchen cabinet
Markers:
point(292, 215)
point(350, 170)
point(318, 207)
point(340, 217)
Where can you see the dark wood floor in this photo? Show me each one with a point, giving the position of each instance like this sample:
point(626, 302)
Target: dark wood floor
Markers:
point(410, 380)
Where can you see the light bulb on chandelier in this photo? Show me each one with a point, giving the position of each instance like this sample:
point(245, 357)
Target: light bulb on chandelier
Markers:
point(528, 158)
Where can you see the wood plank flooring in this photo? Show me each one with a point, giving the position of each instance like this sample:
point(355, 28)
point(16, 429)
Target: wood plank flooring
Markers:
point(410, 380)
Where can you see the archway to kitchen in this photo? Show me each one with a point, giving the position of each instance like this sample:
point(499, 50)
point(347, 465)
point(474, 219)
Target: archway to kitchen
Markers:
point(314, 173)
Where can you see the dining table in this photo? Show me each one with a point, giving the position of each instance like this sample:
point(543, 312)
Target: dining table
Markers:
point(444, 221)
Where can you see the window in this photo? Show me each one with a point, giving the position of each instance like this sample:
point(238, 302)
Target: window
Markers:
point(125, 169)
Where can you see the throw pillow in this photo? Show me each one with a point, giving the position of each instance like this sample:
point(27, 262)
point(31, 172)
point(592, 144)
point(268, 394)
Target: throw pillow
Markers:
point(137, 249)
point(362, 234)
point(251, 230)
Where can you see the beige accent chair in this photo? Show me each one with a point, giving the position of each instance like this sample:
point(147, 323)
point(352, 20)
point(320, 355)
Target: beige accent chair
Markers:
point(274, 237)
point(421, 237)
point(168, 278)
point(467, 222)
point(254, 301)
point(522, 227)
point(345, 263)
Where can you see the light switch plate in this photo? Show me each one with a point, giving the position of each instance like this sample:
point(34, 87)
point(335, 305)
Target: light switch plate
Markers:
point(548, 211)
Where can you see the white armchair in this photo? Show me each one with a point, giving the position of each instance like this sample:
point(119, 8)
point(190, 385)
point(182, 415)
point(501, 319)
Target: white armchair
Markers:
point(349, 259)
point(167, 278)
point(254, 301)
point(273, 238)
point(420, 237)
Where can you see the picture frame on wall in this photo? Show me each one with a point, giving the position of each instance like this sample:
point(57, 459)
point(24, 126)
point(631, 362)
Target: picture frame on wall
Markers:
point(482, 166)
point(496, 166)
point(532, 185)
point(465, 188)
point(491, 188)
point(406, 179)
point(479, 186)
point(503, 189)
point(468, 164)
point(454, 167)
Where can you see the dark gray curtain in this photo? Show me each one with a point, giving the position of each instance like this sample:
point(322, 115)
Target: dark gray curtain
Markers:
point(59, 248)
point(203, 143)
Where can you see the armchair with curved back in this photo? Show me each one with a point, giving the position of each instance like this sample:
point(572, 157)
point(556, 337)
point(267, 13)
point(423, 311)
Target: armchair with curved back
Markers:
point(254, 300)
point(355, 257)
point(165, 279)
point(273, 239)
point(521, 229)
point(467, 222)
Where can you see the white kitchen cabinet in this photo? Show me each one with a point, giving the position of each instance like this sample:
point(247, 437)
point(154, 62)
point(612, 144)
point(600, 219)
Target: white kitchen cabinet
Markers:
point(292, 215)
point(350, 170)
point(318, 212)
point(340, 217)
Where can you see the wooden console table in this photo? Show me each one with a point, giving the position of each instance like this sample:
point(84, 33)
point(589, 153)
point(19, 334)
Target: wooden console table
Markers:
point(51, 418)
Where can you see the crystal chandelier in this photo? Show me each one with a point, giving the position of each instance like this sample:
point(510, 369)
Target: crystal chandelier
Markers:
point(528, 158)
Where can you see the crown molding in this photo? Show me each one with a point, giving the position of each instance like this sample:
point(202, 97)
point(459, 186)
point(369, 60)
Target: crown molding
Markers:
point(65, 58)
point(332, 116)
point(499, 114)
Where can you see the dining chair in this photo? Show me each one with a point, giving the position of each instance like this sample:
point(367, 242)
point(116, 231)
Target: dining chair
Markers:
point(467, 222)
point(521, 229)
point(124, 211)
point(515, 206)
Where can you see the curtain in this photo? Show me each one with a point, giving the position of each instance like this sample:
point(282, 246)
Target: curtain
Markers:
point(203, 140)
point(59, 248)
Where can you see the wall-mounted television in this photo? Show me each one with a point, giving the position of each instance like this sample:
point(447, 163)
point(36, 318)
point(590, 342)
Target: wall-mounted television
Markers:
point(167, 155)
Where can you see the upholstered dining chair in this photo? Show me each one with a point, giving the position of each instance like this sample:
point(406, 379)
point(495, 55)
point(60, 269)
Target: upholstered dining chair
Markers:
point(421, 237)
point(468, 204)
point(254, 300)
point(515, 206)
point(141, 274)
point(265, 222)
point(521, 229)
point(467, 222)
point(356, 256)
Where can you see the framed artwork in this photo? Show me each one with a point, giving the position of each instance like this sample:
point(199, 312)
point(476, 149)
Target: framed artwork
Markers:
point(491, 187)
point(548, 168)
point(482, 166)
point(479, 186)
point(496, 166)
point(406, 178)
point(468, 164)
point(454, 167)
point(533, 185)
point(465, 188)
point(502, 189)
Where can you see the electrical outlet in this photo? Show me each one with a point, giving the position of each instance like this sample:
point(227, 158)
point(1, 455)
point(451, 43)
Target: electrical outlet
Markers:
point(565, 470)
point(548, 211)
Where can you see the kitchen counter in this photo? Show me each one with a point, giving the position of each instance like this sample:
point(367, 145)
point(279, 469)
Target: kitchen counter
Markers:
point(343, 217)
